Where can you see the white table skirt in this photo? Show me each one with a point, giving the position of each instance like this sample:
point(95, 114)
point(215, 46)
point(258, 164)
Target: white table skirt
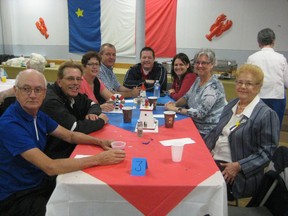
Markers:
point(79, 194)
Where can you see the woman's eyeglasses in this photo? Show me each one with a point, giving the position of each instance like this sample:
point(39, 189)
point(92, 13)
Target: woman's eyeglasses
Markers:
point(204, 63)
point(240, 83)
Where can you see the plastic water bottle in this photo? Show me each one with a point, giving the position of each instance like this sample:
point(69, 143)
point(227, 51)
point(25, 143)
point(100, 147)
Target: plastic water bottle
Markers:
point(157, 89)
point(1, 72)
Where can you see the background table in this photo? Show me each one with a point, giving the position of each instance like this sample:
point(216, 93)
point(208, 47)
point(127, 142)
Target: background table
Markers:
point(7, 85)
point(194, 186)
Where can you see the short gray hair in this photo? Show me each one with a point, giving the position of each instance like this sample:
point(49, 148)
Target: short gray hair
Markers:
point(102, 48)
point(208, 52)
point(266, 37)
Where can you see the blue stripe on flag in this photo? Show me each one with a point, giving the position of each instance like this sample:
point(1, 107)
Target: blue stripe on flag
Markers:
point(84, 25)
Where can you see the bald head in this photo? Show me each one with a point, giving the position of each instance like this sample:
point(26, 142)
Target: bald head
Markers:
point(26, 74)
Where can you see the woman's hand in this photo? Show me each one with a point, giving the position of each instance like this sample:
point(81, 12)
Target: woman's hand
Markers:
point(107, 107)
point(170, 105)
point(171, 91)
point(230, 171)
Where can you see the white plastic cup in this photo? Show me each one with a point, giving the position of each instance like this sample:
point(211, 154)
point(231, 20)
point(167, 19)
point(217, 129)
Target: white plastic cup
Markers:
point(177, 152)
point(118, 145)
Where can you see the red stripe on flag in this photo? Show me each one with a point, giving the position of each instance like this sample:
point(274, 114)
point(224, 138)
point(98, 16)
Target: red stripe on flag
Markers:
point(160, 29)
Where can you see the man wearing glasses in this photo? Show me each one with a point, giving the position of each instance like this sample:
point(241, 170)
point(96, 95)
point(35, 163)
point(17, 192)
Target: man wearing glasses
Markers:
point(70, 109)
point(25, 185)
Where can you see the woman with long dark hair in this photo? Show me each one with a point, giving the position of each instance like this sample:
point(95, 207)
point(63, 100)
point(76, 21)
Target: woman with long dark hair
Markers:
point(182, 76)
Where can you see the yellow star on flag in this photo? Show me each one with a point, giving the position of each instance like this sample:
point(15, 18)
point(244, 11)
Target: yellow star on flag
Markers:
point(79, 12)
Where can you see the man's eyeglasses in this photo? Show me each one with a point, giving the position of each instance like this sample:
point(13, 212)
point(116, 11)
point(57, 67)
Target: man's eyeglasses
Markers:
point(28, 90)
point(240, 83)
point(93, 64)
point(71, 79)
point(204, 63)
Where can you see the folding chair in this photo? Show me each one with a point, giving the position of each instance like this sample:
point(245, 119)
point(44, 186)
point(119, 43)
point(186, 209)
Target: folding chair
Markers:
point(272, 195)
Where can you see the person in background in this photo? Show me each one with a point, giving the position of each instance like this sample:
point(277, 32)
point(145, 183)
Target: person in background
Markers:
point(25, 185)
point(147, 72)
point(91, 85)
point(275, 68)
point(70, 109)
point(182, 76)
point(37, 62)
point(246, 136)
point(206, 97)
point(107, 76)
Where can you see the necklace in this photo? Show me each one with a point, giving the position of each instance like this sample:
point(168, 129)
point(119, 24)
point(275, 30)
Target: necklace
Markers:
point(239, 106)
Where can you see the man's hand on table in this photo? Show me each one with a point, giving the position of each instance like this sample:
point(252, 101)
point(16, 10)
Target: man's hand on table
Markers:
point(104, 117)
point(135, 92)
point(94, 117)
point(105, 144)
point(111, 156)
point(149, 81)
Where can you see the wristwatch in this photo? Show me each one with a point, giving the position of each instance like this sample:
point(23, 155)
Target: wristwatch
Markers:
point(179, 110)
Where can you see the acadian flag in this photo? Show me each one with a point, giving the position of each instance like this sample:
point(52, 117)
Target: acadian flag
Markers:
point(94, 22)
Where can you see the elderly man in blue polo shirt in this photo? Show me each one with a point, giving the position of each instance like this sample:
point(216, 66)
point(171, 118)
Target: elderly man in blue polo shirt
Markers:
point(25, 185)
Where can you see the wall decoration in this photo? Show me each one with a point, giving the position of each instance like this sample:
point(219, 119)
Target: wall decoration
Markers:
point(41, 26)
point(219, 26)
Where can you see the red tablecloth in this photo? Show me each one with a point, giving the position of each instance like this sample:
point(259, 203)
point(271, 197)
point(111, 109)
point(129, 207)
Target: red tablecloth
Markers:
point(166, 183)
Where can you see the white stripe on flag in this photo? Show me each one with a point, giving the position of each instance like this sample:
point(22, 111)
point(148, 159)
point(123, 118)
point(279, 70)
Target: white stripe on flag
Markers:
point(118, 25)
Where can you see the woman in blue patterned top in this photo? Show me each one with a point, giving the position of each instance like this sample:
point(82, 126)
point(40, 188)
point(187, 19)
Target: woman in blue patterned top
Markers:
point(205, 100)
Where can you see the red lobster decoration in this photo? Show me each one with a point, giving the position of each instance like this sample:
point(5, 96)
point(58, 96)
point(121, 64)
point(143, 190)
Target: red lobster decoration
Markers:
point(219, 26)
point(42, 27)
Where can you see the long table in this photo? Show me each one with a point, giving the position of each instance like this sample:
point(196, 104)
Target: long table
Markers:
point(193, 186)
point(6, 85)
